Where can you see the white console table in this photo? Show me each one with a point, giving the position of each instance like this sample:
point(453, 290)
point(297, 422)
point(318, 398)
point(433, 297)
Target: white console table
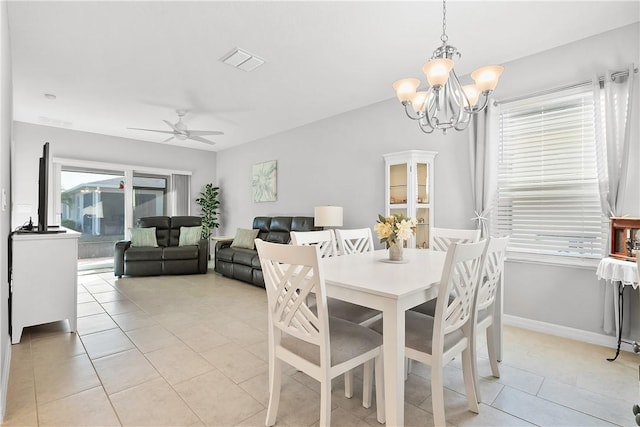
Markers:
point(44, 280)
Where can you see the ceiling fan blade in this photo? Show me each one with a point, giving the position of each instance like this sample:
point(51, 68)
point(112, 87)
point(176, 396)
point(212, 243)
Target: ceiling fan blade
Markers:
point(153, 130)
point(199, 139)
point(205, 132)
point(169, 139)
point(171, 125)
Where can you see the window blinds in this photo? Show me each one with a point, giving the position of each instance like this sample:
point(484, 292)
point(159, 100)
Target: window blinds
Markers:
point(548, 199)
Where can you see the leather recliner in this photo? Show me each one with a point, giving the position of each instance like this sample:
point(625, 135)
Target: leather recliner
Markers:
point(244, 264)
point(168, 257)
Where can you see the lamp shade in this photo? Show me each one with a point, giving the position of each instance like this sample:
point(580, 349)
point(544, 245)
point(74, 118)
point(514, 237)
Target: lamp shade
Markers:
point(437, 71)
point(472, 93)
point(486, 78)
point(406, 88)
point(328, 216)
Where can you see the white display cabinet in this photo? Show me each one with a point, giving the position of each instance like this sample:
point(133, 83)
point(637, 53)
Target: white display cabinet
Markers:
point(409, 190)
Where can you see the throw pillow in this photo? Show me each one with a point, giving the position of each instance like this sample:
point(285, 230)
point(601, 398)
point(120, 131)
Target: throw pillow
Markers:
point(144, 237)
point(245, 238)
point(190, 236)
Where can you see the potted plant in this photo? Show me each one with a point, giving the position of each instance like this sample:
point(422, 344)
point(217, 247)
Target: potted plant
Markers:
point(209, 203)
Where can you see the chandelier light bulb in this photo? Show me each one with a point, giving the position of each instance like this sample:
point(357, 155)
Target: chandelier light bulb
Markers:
point(486, 78)
point(419, 100)
point(472, 93)
point(406, 89)
point(437, 71)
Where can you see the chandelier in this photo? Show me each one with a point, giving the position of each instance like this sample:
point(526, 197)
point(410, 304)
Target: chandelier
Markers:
point(446, 104)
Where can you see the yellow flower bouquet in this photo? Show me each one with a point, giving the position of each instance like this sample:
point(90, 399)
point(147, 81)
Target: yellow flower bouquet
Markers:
point(395, 228)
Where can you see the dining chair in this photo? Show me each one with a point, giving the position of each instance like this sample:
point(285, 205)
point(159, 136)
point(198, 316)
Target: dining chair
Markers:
point(325, 240)
point(441, 238)
point(354, 241)
point(492, 273)
point(311, 341)
point(437, 340)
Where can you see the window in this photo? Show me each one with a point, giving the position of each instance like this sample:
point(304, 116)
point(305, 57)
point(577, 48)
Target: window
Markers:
point(547, 198)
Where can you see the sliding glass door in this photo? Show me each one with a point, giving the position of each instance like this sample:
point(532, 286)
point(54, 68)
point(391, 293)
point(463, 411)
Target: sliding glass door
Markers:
point(149, 195)
point(92, 203)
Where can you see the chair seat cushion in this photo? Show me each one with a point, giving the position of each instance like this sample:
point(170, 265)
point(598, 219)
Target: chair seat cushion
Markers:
point(348, 340)
point(180, 252)
point(143, 254)
point(419, 332)
point(346, 311)
point(429, 307)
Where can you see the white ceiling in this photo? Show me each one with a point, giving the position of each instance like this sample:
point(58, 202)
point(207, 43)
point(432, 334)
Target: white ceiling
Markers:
point(114, 65)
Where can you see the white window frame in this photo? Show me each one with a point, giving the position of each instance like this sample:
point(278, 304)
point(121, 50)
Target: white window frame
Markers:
point(127, 171)
point(522, 250)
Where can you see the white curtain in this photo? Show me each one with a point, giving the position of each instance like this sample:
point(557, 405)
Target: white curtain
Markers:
point(613, 113)
point(483, 157)
point(180, 188)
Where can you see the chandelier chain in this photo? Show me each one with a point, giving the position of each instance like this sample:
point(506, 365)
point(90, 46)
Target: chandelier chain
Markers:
point(444, 36)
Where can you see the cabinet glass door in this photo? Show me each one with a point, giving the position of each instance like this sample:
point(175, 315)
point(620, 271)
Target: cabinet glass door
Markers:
point(398, 184)
point(423, 182)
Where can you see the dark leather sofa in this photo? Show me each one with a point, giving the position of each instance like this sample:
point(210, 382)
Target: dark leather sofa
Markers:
point(244, 264)
point(168, 257)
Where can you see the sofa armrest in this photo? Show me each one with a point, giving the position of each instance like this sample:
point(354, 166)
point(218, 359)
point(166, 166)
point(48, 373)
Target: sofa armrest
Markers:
point(203, 255)
point(221, 244)
point(118, 257)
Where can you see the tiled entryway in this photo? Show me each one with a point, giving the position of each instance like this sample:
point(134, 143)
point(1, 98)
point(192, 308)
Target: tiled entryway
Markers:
point(192, 350)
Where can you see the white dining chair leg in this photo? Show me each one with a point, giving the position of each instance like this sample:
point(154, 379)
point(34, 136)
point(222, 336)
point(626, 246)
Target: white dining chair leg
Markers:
point(325, 402)
point(380, 389)
point(437, 395)
point(274, 395)
point(367, 384)
point(348, 384)
point(492, 347)
point(469, 380)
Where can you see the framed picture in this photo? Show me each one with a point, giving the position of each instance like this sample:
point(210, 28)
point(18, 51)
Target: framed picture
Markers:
point(263, 181)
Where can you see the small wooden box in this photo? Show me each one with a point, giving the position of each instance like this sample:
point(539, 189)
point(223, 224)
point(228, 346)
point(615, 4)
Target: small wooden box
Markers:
point(625, 238)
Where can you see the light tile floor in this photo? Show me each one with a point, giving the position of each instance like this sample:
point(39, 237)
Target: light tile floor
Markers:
point(192, 350)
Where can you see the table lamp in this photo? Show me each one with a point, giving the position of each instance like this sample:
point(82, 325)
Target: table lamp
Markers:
point(328, 216)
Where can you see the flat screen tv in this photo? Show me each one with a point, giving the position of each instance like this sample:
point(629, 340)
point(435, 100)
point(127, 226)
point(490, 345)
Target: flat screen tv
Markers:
point(43, 189)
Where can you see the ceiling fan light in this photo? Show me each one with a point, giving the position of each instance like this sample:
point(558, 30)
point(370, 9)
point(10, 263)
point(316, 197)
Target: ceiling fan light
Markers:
point(437, 71)
point(487, 77)
point(406, 89)
point(181, 137)
point(472, 93)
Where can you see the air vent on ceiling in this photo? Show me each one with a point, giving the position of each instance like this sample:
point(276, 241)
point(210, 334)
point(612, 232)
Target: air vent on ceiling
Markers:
point(242, 60)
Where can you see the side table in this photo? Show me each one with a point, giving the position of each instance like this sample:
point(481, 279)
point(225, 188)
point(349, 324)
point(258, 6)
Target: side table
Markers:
point(623, 273)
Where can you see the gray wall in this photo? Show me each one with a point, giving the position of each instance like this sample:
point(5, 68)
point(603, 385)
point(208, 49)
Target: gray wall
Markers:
point(72, 144)
point(6, 116)
point(338, 161)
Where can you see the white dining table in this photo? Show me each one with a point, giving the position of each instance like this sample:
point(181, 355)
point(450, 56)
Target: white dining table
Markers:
point(368, 279)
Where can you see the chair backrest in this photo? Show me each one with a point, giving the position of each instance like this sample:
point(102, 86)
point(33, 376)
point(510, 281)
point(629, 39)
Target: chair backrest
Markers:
point(460, 278)
point(354, 241)
point(441, 238)
point(491, 271)
point(291, 273)
point(324, 240)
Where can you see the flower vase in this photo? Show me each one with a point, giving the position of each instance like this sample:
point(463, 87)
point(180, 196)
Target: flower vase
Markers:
point(395, 251)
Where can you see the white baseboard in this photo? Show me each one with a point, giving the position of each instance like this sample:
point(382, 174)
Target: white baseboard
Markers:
point(565, 332)
point(5, 380)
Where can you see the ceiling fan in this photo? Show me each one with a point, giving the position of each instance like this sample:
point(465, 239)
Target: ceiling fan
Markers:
point(180, 132)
